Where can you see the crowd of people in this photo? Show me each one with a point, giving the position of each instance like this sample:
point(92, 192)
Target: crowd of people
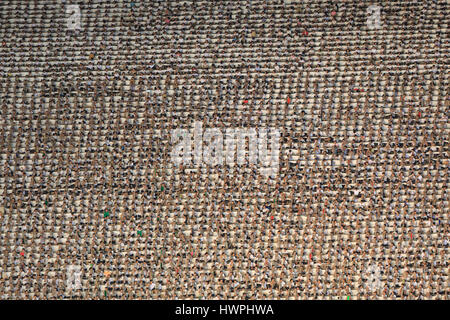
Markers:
point(86, 177)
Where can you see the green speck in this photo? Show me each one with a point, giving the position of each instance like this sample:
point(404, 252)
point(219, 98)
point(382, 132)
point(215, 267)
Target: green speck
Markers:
point(46, 202)
point(139, 232)
point(162, 188)
point(106, 214)
point(348, 297)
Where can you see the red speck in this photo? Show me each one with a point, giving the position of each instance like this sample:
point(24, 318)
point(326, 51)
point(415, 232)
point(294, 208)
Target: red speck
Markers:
point(271, 217)
point(192, 253)
point(411, 235)
point(245, 101)
point(419, 114)
point(167, 20)
point(22, 253)
point(305, 33)
point(288, 100)
point(323, 211)
point(333, 13)
point(310, 256)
